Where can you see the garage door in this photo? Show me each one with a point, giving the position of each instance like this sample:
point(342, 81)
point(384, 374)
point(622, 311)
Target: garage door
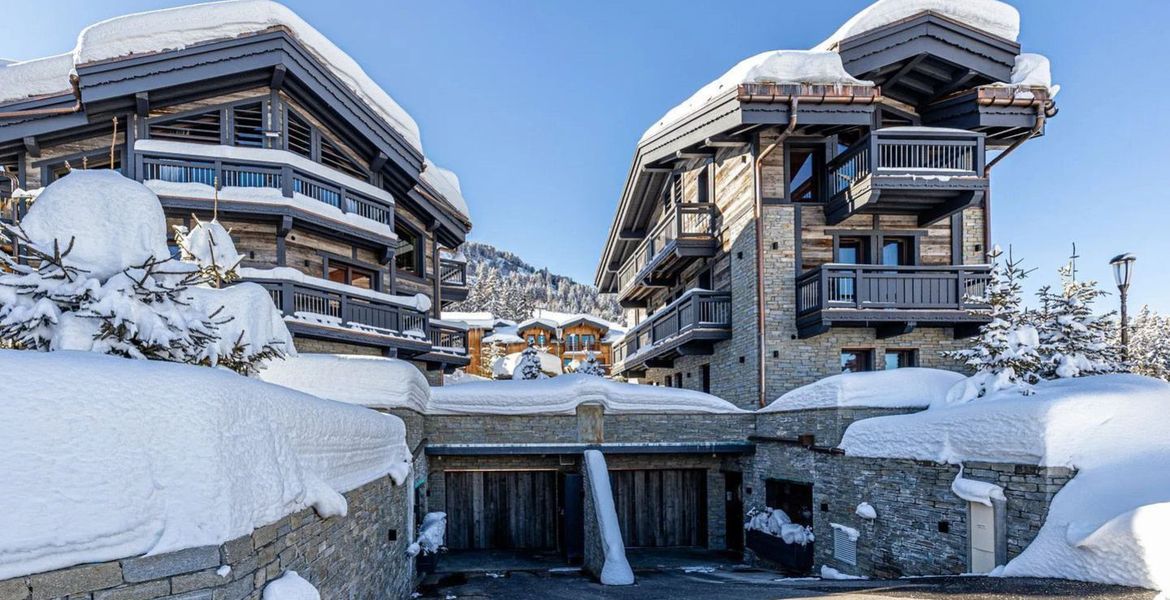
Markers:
point(501, 510)
point(661, 507)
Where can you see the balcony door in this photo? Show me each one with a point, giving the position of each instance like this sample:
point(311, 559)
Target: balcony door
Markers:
point(850, 251)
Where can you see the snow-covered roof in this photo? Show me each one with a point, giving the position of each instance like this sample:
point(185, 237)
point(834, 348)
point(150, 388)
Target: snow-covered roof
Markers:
point(474, 319)
point(172, 456)
point(370, 381)
point(561, 396)
point(446, 183)
point(990, 16)
point(553, 319)
point(1109, 523)
point(47, 76)
point(896, 388)
point(505, 366)
point(503, 335)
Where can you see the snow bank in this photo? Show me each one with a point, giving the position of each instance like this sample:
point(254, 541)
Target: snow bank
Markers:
point(93, 208)
point(178, 28)
point(774, 66)
point(990, 16)
point(616, 569)
point(290, 586)
point(561, 395)
point(1108, 524)
point(47, 76)
point(105, 458)
point(370, 381)
point(828, 572)
point(447, 184)
point(896, 388)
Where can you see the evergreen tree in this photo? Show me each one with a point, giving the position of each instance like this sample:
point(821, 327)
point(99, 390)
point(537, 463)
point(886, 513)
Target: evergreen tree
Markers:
point(1149, 344)
point(1074, 342)
point(488, 355)
point(591, 366)
point(1004, 355)
point(528, 367)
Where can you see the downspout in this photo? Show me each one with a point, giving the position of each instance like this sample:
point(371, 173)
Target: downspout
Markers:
point(1041, 111)
point(759, 210)
point(44, 112)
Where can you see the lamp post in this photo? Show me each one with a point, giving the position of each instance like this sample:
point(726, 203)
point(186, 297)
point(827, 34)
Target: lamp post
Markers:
point(1122, 273)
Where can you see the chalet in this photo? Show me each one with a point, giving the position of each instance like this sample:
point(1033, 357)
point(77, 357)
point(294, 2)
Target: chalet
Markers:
point(317, 172)
point(811, 212)
point(569, 337)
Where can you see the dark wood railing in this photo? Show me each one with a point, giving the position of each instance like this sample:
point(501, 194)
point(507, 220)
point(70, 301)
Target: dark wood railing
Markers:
point(448, 339)
point(699, 309)
point(453, 273)
point(348, 309)
point(885, 287)
point(689, 220)
point(251, 174)
point(917, 151)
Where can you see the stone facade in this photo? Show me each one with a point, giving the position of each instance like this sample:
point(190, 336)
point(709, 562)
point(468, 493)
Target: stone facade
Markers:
point(362, 555)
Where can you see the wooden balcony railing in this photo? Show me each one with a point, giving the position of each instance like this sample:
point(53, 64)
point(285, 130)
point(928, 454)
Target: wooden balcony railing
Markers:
point(446, 338)
point(837, 286)
point(452, 273)
point(347, 309)
point(695, 310)
point(252, 174)
point(684, 221)
point(911, 151)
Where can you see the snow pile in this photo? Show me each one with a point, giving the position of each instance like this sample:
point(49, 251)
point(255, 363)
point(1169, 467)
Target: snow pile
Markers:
point(828, 572)
point(210, 246)
point(866, 511)
point(290, 586)
point(512, 364)
point(47, 76)
point(616, 569)
point(1108, 524)
point(168, 457)
point(460, 377)
point(447, 184)
point(432, 534)
point(990, 16)
point(776, 523)
point(370, 381)
point(910, 387)
point(246, 321)
point(774, 66)
point(1034, 70)
point(184, 26)
point(972, 490)
point(561, 396)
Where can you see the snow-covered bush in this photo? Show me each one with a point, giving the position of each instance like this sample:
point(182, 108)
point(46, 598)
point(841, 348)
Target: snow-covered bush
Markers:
point(1005, 354)
point(529, 364)
point(96, 275)
point(210, 246)
point(591, 366)
point(1074, 342)
point(1149, 344)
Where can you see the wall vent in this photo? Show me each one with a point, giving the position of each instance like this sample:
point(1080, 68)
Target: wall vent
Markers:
point(844, 547)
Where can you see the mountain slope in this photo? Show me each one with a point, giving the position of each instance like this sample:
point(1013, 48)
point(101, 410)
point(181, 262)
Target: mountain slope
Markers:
point(505, 285)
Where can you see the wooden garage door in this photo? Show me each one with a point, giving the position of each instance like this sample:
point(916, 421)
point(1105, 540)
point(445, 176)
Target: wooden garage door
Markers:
point(502, 509)
point(661, 507)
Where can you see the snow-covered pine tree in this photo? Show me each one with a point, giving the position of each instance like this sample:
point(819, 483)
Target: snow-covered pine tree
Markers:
point(488, 355)
point(210, 246)
point(1074, 342)
point(1149, 344)
point(528, 367)
point(1004, 355)
point(591, 366)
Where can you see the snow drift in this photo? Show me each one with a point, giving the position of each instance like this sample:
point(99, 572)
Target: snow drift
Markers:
point(370, 381)
point(290, 586)
point(561, 396)
point(1111, 522)
point(105, 458)
point(896, 388)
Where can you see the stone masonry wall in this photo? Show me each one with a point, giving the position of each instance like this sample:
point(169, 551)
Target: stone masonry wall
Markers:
point(360, 556)
point(827, 424)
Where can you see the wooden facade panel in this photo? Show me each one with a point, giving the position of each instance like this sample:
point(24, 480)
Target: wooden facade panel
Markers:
point(501, 510)
point(661, 508)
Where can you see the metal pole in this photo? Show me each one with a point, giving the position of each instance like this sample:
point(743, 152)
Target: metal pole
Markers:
point(1124, 323)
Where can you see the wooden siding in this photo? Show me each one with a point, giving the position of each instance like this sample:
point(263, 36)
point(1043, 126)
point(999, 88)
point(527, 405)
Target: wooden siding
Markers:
point(661, 508)
point(501, 510)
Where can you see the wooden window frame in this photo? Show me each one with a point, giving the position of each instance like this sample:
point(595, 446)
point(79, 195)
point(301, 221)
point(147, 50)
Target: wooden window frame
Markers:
point(867, 353)
point(820, 162)
point(330, 260)
point(912, 353)
point(876, 240)
point(420, 260)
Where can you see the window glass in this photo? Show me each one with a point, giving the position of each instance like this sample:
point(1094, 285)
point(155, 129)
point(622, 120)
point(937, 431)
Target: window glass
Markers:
point(897, 251)
point(803, 175)
point(361, 278)
point(899, 359)
point(406, 255)
point(337, 274)
point(852, 250)
point(856, 361)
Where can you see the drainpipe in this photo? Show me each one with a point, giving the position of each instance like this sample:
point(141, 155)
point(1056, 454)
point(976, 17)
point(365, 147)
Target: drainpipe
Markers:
point(44, 112)
point(759, 210)
point(1042, 110)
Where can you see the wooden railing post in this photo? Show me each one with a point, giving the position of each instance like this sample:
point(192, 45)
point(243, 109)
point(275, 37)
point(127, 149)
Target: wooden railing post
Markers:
point(286, 181)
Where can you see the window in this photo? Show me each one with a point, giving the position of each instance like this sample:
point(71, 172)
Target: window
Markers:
point(856, 361)
point(248, 125)
point(408, 256)
point(350, 275)
point(805, 166)
point(897, 251)
point(572, 340)
point(852, 250)
point(200, 128)
point(898, 359)
point(704, 184)
point(541, 340)
point(587, 341)
point(531, 341)
point(706, 369)
point(678, 380)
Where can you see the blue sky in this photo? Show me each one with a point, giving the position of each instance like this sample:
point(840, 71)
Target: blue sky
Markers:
point(537, 106)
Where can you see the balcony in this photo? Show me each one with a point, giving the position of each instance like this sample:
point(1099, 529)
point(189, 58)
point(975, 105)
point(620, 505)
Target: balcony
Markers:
point(687, 232)
point(688, 326)
point(894, 300)
point(448, 345)
point(453, 278)
point(930, 173)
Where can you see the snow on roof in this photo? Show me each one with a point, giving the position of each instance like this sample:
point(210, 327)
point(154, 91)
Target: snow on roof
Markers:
point(505, 366)
point(476, 319)
point(990, 16)
point(1033, 70)
point(895, 388)
point(91, 208)
point(1109, 523)
point(370, 381)
point(773, 66)
point(47, 76)
point(446, 183)
point(561, 395)
point(503, 335)
point(172, 456)
point(553, 319)
point(180, 27)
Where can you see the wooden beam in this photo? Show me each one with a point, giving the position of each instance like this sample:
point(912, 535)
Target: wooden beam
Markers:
point(631, 234)
point(32, 147)
point(916, 85)
point(725, 141)
point(632, 304)
point(889, 330)
point(657, 169)
point(278, 74)
point(934, 72)
point(906, 68)
point(948, 208)
point(958, 84)
point(686, 154)
point(379, 162)
point(142, 103)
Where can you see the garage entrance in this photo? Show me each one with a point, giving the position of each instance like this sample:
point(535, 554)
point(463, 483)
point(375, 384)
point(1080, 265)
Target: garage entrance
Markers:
point(661, 508)
point(514, 510)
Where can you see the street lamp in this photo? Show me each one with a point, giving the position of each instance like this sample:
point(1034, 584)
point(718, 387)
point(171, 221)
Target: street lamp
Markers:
point(1122, 273)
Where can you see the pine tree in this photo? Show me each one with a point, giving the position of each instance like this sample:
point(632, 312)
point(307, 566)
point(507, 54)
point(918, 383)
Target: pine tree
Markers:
point(488, 355)
point(1004, 355)
point(1074, 342)
point(528, 366)
point(591, 366)
point(1149, 344)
